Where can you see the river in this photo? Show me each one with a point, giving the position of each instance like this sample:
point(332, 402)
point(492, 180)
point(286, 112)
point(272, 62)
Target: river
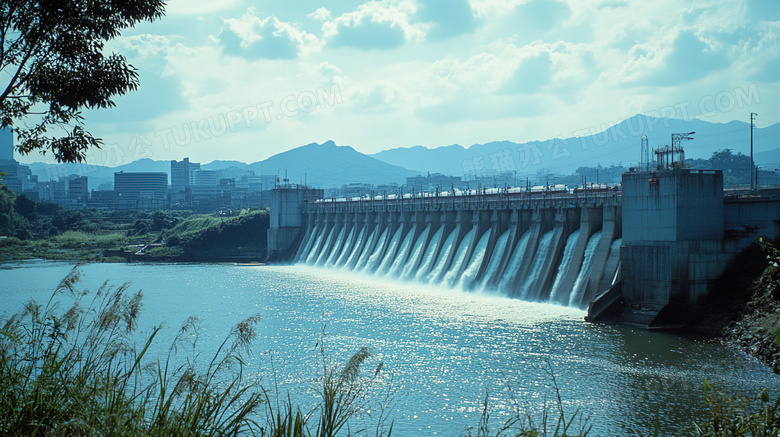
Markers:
point(445, 349)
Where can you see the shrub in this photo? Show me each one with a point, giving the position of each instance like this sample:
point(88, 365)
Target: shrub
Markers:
point(734, 415)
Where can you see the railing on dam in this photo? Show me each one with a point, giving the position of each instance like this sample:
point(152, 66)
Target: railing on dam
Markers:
point(466, 202)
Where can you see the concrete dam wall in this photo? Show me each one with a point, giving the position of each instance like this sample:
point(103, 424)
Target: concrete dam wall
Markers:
point(646, 256)
point(559, 249)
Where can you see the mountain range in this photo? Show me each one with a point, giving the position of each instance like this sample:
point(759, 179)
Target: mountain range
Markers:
point(329, 165)
point(617, 144)
point(321, 165)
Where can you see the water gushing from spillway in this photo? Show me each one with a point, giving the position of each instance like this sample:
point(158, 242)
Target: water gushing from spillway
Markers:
point(444, 256)
point(530, 262)
point(417, 253)
point(347, 249)
point(356, 249)
point(529, 290)
point(563, 270)
point(376, 257)
point(326, 244)
point(305, 249)
point(430, 254)
point(365, 254)
point(315, 249)
point(398, 262)
point(514, 263)
point(470, 274)
point(390, 252)
point(460, 257)
point(337, 245)
point(577, 292)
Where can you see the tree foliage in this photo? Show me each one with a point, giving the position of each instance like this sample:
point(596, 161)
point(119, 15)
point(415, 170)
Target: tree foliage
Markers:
point(53, 64)
point(6, 210)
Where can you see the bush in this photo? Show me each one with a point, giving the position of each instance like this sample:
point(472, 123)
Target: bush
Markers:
point(733, 415)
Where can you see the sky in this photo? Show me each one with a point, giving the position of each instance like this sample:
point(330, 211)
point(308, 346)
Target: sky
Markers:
point(244, 80)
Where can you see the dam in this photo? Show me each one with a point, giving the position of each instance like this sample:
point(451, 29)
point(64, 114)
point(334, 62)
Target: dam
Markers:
point(643, 255)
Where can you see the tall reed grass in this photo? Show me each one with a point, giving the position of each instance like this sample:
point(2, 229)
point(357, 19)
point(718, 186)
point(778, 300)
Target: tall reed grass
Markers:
point(75, 371)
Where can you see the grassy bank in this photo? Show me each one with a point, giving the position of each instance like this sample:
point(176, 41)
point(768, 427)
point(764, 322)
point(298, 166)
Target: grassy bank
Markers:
point(209, 237)
point(70, 245)
point(157, 236)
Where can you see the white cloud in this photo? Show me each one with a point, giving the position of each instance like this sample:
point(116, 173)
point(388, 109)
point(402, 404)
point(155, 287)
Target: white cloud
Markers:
point(198, 7)
point(321, 14)
point(593, 61)
point(268, 37)
point(378, 23)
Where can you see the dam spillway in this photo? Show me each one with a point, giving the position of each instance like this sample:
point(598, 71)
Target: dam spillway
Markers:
point(559, 249)
point(646, 255)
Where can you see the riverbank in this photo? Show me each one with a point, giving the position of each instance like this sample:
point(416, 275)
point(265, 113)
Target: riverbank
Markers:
point(755, 331)
point(197, 238)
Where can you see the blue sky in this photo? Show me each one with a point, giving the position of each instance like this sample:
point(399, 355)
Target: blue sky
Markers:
point(244, 80)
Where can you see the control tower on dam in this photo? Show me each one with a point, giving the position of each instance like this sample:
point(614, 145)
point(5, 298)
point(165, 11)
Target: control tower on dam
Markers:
point(680, 232)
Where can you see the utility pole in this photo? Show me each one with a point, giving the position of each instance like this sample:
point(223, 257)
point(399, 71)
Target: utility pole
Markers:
point(752, 117)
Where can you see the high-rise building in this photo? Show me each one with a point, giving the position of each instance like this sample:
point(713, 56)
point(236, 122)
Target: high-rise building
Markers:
point(205, 177)
point(6, 143)
point(143, 190)
point(78, 189)
point(183, 174)
point(18, 177)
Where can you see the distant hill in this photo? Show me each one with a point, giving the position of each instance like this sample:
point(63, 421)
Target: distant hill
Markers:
point(323, 165)
point(219, 165)
point(599, 145)
point(769, 160)
point(329, 165)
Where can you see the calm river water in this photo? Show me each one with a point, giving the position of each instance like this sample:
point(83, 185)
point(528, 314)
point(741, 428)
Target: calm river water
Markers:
point(445, 349)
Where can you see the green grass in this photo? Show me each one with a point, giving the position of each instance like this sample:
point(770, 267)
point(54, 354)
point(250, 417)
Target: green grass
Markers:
point(193, 225)
point(71, 245)
point(77, 239)
point(200, 237)
point(209, 237)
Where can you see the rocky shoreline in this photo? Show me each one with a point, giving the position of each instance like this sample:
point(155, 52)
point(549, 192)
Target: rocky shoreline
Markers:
point(756, 329)
point(743, 309)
